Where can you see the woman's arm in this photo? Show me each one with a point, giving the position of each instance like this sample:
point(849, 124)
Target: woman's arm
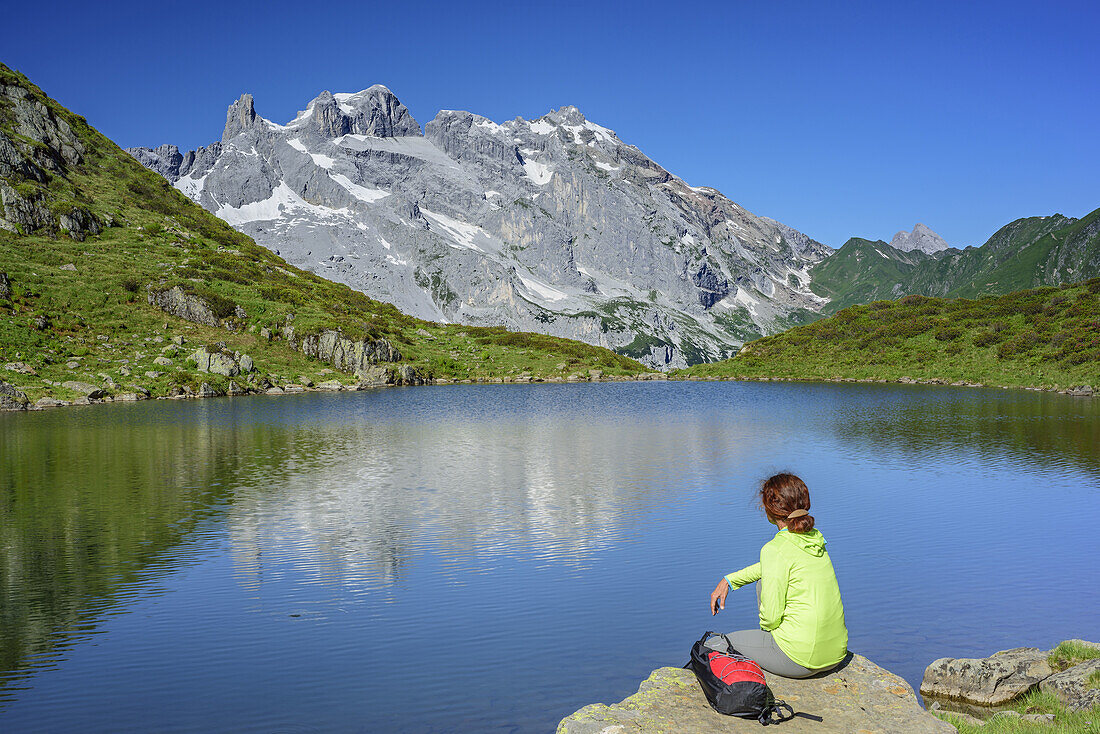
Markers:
point(735, 580)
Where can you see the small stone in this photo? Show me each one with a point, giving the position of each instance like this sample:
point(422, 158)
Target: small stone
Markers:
point(163, 361)
point(179, 340)
point(67, 266)
point(302, 379)
point(124, 371)
point(152, 375)
point(72, 364)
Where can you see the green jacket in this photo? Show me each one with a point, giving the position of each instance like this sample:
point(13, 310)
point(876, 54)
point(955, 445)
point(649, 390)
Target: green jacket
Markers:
point(799, 598)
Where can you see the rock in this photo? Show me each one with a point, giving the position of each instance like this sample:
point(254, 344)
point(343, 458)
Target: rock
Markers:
point(332, 385)
point(5, 286)
point(595, 375)
point(343, 353)
point(274, 391)
point(991, 681)
point(206, 391)
point(163, 361)
point(12, 398)
point(124, 371)
point(1071, 685)
point(859, 697)
point(184, 305)
point(292, 388)
point(89, 390)
point(217, 362)
point(130, 397)
point(152, 375)
point(49, 403)
point(409, 375)
point(1083, 391)
point(1038, 718)
point(180, 391)
point(303, 380)
point(424, 333)
point(961, 718)
point(179, 340)
point(67, 266)
point(41, 322)
point(235, 389)
point(20, 367)
point(375, 376)
point(246, 363)
point(72, 364)
point(265, 333)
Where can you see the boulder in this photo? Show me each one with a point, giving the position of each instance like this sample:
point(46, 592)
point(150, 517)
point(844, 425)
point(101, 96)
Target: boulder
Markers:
point(1071, 685)
point(184, 305)
point(163, 362)
point(858, 697)
point(235, 389)
point(217, 362)
point(5, 286)
point(206, 391)
point(246, 363)
point(409, 375)
point(991, 681)
point(89, 390)
point(12, 398)
point(21, 367)
point(290, 388)
point(274, 391)
point(374, 376)
point(49, 403)
point(332, 385)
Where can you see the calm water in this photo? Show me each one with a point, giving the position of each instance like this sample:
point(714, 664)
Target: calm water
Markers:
point(491, 558)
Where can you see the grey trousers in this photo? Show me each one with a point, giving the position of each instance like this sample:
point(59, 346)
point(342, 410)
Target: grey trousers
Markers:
point(759, 645)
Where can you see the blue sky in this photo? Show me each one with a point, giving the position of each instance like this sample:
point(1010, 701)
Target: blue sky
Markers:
point(838, 119)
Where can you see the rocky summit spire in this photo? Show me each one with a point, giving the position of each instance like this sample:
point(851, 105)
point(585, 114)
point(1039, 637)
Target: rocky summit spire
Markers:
point(921, 238)
point(378, 112)
point(241, 116)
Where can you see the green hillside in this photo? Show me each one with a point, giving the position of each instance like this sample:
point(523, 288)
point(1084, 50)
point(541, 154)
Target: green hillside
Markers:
point(1044, 337)
point(862, 270)
point(88, 237)
point(1027, 253)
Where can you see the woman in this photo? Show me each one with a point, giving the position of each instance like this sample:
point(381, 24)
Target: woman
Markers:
point(802, 628)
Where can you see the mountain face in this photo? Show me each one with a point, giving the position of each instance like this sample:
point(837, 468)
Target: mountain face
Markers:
point(1026, 253)
point(921, 239)
point(551, 225)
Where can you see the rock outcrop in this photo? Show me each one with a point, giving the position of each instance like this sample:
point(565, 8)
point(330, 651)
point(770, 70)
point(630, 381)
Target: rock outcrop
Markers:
point(188, 306)
point(1072, 687)
point(991, 681)
point(859, 697)
point(12, 398)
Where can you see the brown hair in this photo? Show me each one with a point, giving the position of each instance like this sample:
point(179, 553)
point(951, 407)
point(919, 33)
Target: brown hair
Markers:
point(783, 494)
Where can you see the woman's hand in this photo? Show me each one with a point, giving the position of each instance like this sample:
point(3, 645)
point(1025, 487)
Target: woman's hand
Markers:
point(718, 596)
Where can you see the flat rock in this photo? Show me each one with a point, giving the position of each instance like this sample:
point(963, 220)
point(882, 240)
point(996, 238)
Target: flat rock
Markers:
point(333, 385)
point(1071, 685)
point(859, 697)
point(990, 681)
point(48, 402)
point(93, 392)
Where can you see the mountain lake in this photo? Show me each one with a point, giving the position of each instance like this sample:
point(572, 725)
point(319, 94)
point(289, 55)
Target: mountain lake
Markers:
point(490, 558)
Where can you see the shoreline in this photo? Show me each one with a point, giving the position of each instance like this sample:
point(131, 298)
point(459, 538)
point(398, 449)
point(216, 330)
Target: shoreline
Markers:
point(295, 388)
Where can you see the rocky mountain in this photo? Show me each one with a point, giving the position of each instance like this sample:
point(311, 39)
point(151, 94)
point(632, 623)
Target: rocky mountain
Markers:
point(552, 225)
point(921, 238)
point(1026, 253)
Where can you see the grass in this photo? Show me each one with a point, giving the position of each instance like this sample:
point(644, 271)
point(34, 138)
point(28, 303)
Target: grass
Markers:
point(1045, 338)
point(1035, 702)
point(1071, 652)
point(98, 314)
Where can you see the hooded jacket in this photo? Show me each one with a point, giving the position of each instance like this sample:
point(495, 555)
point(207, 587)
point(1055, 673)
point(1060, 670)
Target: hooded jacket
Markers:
point(799, 598)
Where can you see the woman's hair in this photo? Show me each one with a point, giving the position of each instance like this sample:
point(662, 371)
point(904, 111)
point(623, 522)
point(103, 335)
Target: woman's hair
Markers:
point(783, 494)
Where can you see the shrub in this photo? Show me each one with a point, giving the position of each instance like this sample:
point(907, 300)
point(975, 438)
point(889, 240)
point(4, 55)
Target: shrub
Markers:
point(947, 334)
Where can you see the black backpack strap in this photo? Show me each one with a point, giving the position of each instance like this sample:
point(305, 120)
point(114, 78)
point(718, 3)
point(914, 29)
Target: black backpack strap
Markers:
point(774, 713)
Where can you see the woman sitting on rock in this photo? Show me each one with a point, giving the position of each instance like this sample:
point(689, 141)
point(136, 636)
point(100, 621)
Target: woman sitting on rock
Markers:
point(802, 628)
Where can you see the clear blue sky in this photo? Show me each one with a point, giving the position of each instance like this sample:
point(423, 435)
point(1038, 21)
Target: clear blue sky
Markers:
point(839, 119)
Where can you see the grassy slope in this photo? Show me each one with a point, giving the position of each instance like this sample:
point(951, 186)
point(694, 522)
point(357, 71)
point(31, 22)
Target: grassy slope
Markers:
point(1045, 337)
point(99, 314)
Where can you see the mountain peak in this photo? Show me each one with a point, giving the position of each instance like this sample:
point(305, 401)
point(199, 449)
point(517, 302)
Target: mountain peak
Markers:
point(240, 116)
point(921, 238)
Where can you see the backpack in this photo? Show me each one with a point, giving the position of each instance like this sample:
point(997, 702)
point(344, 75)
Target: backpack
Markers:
point(735, 685)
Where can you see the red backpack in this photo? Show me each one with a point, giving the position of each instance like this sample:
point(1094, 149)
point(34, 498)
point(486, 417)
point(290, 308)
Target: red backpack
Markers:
point(735, 685)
